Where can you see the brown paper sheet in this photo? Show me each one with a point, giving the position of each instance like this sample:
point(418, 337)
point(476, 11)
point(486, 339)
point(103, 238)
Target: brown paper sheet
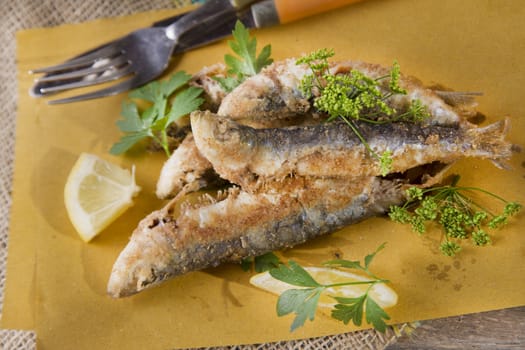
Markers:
point(56, 283)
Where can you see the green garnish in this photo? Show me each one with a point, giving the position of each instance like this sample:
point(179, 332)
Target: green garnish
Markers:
point(248, 63)
point(356, 97)
point(459, 216)
point(261, 263)
point(303, 302)
point(153, 122)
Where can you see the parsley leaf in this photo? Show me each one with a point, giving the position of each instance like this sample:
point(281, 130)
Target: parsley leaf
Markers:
point(294, 274)
point(261, 263)
point(371, 256)
point(355, 264)
point(132, 120)
point(459, 215)
point(186, 102)
point(303, 301)
point(349, 309)
point(375, 315)
point(154, 121)
point(248, 63)
point(128, 141)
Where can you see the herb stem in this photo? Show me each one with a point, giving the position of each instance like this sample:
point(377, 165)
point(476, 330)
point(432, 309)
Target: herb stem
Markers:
point(382, 77)
point(386, 96)
point(165, 142)
point(483, 208)
point(444, 190)
point(361, 138)
point(372, 282)
point(376, 122)
point(483, 191)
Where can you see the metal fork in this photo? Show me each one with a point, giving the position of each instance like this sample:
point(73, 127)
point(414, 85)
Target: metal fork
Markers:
point(139, 57)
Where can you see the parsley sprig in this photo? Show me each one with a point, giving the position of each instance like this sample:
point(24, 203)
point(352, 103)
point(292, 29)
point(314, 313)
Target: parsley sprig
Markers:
point(248, 63)
point(303, 302)
point(459, 216)
point(356, 97)
point(162, 111)
point(261, 263)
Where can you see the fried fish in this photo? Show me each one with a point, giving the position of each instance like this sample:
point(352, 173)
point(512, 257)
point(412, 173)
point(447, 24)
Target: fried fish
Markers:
point(293, 176)
point(247, 156)
point(274, 95)
point(238, 224)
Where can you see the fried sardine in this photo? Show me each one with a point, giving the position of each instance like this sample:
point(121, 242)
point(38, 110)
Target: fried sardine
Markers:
point(239, 224)
point(247, 156)
point(273, 99)
point(242, 223)
point(294, 177)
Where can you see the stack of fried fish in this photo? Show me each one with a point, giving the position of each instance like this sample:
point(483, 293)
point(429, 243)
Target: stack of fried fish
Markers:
point(290, 176)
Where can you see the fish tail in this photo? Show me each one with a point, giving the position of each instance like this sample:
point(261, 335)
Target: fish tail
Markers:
point(490, 141)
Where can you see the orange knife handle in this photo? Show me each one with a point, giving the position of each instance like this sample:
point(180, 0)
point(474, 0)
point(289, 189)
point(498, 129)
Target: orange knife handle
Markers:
point(291, 10)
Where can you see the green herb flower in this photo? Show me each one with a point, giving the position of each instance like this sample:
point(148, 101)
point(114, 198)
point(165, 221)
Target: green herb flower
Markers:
point(356, 97)
point(450, 248)
point(459, 216)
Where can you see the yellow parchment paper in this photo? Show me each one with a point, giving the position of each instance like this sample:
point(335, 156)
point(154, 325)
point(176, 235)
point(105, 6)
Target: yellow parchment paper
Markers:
point(56, 283)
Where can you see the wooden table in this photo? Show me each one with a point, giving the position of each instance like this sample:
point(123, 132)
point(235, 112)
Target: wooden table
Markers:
point(501, 329)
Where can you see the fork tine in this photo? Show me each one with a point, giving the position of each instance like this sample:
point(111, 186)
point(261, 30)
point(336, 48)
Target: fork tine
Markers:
point(117, 62)
point(87, 81)
point(106, 51)
point(112, 90)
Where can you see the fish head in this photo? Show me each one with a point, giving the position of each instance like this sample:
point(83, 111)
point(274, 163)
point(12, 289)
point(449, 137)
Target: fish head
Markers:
point(222, 140)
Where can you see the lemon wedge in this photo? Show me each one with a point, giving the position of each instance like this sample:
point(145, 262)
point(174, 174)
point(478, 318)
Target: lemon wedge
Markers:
point(96, 193)
point(382, 294)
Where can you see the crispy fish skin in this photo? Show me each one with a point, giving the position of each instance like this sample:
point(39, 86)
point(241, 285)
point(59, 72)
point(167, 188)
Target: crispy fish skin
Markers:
point(272, 99)
point(268, 97)
point(213, 92)
point(186, 170)
point(303, 204)
point(274, 95)
point(241, 224)
point(247, 156)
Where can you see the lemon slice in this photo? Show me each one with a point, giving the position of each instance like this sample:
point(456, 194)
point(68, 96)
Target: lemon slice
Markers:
point(96, 193)
point(382, 294)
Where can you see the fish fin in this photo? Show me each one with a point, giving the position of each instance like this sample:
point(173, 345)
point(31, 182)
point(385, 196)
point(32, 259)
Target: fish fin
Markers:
point(501, 164)
point(458, 98)
point(463, 102)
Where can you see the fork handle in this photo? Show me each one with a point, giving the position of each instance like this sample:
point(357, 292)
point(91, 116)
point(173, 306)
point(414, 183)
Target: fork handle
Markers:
point(238, 4)
point(216, 18)
point(273, 12)
point(280, 11)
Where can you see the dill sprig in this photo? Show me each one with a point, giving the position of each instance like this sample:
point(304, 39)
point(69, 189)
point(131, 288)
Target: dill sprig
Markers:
point(459, 216)
point(356, 97)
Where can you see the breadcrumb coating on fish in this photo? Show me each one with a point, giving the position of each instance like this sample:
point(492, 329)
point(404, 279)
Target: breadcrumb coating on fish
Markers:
point(185, 169)
point(238, 224)
point(213, 91)
point(248, 156)
point(299, 178)
point(274, 95)
point(272, 99)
